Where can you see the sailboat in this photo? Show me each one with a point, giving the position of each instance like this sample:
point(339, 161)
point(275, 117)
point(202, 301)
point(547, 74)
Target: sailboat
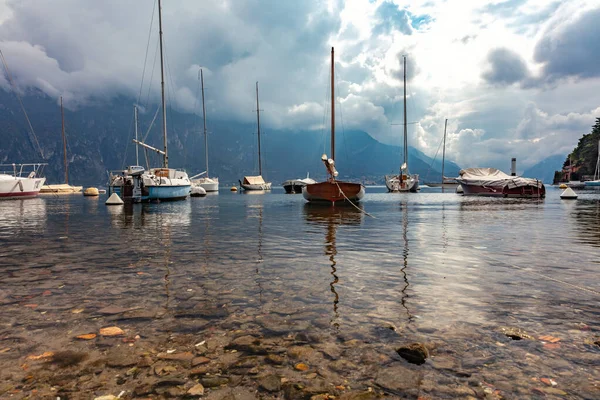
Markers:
point(163, 183)
point(256, 182)
point(63, 188)
point(596, 182)
point(332, 190)
point(206, 183)
point(446, 182)
point(404, 181)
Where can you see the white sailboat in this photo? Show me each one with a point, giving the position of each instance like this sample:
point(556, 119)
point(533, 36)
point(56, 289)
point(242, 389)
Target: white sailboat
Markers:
point(20, 181)
point(446, 182)
point(161, 183)
point(256, 182)
point(205, 182)
point(595, 183)
point(404, 181)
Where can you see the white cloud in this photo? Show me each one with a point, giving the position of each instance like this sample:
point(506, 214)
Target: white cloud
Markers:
point(86, 50)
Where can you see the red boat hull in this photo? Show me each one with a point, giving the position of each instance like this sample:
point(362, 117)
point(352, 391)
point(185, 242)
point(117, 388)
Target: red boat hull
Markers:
point(525, 192)
point(333, 191)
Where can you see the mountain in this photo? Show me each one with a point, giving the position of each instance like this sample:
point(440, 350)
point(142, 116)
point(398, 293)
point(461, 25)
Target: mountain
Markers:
point(100, 134)
point(544, 170)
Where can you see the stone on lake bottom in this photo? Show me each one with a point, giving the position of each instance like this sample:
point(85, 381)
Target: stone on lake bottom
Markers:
point(398, 378)
point(111, 331)
point(197, 390)
point(414, 353)
point(270, 383)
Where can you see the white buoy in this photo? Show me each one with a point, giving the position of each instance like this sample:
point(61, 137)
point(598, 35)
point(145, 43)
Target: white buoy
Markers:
point(197, 191)
point(568, 194)
point(114, 200)
point(459, 189)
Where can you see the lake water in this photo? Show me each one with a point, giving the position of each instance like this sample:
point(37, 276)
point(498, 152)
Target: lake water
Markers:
point(332, 289)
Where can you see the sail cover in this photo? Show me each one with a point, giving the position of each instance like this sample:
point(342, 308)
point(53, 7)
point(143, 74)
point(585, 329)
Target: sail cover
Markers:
point(254, 180)
point(492, 177)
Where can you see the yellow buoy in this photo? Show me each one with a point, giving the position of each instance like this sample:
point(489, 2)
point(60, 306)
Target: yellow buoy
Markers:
point(233, 189)
point(562, 186)
point(92, 191)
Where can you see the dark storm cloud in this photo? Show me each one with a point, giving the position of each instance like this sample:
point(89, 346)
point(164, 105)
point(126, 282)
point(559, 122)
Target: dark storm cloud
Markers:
point(571, 49)
point(505, 67)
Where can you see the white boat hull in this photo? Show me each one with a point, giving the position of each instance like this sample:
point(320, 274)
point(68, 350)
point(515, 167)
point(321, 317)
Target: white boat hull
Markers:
point(19, 188)
point(208, 184)
point(594, 184)
point(411, 184)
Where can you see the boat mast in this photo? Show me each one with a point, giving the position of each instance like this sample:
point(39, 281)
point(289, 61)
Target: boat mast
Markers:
point(62, 116)
point(444, 151)
point(332, 110)
point(162, 88)
point(204, 118)
point(258, 125)
point(135, 115)
point(405, 125)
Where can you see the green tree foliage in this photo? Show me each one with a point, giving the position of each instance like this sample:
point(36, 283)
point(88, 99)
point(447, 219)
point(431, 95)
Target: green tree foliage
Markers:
point(585, 154)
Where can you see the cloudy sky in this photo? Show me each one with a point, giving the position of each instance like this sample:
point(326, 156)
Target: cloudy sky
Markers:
point(514, 78)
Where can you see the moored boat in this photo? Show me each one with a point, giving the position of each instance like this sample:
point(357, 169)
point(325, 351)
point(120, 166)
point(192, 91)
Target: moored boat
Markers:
point(158, 184)
point(205, 182)
point(404, 181)
point(493, 182)
point(20, 181)
point(256, 182)
point(293, 186)
point(332, 190)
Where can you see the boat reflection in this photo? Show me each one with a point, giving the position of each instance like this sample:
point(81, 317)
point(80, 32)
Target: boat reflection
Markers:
point(130, 215)
point(331, 218)
point(22, 216)
point(405, 253)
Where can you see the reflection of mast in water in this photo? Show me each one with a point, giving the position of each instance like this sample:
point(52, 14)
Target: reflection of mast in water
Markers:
point(444, 230)
point(331, 251)
point(405, 259)
point(331, 217)
point(260, 256)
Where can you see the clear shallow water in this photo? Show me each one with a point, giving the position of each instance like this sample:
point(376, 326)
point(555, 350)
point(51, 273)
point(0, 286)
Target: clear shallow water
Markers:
point(433, 267)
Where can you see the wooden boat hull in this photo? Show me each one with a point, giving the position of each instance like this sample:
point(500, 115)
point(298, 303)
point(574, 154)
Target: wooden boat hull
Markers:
point(524, 192)
point(331, 191)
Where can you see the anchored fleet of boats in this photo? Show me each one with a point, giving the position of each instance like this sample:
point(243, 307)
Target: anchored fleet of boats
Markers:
point(138, 184)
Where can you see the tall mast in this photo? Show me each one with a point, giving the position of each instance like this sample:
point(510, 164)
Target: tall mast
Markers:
point(62, 116)
point(258, 124)
point(444, 151)
point(405, 123)
point(332, 110)
point(135, 115)
point(204, 118)
point(162, 88)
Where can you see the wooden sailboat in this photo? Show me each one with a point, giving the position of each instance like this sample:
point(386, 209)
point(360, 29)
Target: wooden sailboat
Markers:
point(205, 182)
point(404, 181)
point(332, 190)
point(256, 182)
point(62, 187)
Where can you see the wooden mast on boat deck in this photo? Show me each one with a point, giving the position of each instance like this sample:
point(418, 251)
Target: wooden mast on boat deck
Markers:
point(162, 88)
point(332, 109)
point(62, 117)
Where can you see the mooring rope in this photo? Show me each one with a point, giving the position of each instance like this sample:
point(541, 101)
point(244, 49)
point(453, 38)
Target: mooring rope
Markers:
point(350, 201)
